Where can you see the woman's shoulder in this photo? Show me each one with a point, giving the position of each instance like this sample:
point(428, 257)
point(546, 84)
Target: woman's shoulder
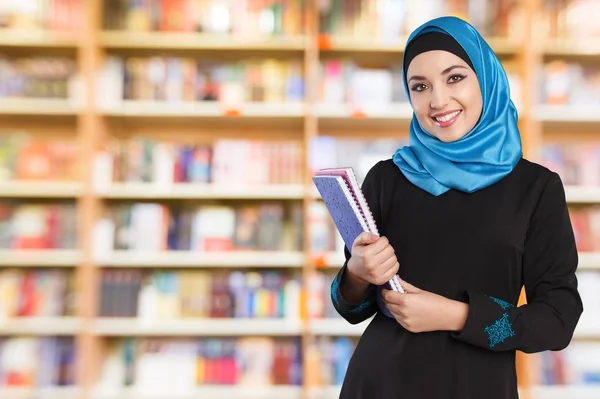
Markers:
point(386, 173)
point(539, 183)
point(384, 168)
point(536, 174)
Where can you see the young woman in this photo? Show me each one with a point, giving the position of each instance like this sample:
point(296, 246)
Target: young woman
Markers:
point(465, 222)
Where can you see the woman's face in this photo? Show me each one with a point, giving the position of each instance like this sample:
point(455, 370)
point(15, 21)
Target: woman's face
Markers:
point(445, 94)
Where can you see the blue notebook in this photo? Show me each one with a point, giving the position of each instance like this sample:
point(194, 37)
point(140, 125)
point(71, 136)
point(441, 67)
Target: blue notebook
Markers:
point(349, 217)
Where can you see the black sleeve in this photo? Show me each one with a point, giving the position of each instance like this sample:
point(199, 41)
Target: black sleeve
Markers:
point(553, 308)
point(356, 313)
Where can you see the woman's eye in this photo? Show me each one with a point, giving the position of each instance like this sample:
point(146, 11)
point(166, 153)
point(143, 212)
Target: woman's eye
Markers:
point(455, 78)
point(419, 87)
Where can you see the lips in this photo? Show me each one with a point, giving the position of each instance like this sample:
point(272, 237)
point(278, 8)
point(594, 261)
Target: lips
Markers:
point(446, 119)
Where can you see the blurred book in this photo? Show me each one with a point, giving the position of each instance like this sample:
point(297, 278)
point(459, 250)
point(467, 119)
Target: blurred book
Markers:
point(37, 225)
point(575, 366)
point(570, 83)
point(360, 154)
point(186, 79)
point(389, 21)
point(163, 295)
point(152, 227)
point(37, 77)
point(141, 159)
point(24, 157)
point(318, 294)
point(27, 362)
point(571, 19)
point(61, 16)
point(36, 293)
point(151, 366)
point(328, 359)
point(241, 19)
point(348, 82)
point(577, 163)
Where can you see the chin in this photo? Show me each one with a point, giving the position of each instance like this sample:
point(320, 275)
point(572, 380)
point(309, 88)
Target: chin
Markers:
point(447, 136)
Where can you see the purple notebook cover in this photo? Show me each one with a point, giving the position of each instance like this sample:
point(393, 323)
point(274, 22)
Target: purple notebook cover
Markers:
point(344, 218)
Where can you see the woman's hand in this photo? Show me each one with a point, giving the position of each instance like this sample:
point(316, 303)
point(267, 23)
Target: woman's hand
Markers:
point(421, 311)
point(373, 259)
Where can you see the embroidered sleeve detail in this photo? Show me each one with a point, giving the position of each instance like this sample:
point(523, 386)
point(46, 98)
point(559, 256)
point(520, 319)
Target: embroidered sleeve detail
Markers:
point(334, 295)
point(334, 290)
point(361, 307)
point(499, 331)
point(503, 304)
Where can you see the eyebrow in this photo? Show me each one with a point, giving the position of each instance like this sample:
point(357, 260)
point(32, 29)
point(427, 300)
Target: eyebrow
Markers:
point(444, 72)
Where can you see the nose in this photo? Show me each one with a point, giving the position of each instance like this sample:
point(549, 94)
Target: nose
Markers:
point(439, 97)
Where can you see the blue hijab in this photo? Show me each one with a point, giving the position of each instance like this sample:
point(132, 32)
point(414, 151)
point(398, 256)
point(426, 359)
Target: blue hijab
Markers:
point(490, 150)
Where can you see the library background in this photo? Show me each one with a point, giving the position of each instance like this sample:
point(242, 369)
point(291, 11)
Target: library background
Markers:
point(160, 235)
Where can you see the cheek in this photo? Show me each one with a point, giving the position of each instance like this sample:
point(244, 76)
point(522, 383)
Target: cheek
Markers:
point(472, 102)
point(420, 105)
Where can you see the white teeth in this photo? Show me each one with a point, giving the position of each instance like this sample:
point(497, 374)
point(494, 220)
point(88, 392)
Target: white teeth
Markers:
point(447, 117)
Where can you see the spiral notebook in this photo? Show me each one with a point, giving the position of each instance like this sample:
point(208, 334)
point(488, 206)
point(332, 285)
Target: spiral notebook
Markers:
point(348, 207)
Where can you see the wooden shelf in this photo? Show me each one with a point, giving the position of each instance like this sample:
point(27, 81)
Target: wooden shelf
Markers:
point(337, 327)
point(398, 111)
point(40, 393)
point(37, 107)
point(197, 41)
point(210, 392)
point(504, 46)
point(201, 191)
point(173, 259)
point(582, 194)
point(40, 189)
point(333, 260)
point(568, 113)
point(588, 334)
point(37, 39)
point(258, 392)
point(572, 47)
point(589, 260)
point(330, 392)
point(120, 327)
point(171, 110)
point(40, 326)
point(40, 258)
point(566, 392)
point(353, 45)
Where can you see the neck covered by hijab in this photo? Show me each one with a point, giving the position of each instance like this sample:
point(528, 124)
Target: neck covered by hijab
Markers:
point(491, 149)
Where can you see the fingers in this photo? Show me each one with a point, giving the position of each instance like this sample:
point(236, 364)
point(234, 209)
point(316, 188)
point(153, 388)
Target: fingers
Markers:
point(365, 238)
point(378, 247)
point(393, 298)
point(380, 255)
point(392, 271)
point(409, 288)
point(373, 255)
point(376, 258)
point(379, 252)
point(387, 270)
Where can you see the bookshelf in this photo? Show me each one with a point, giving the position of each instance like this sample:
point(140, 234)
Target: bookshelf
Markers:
point(96, 113)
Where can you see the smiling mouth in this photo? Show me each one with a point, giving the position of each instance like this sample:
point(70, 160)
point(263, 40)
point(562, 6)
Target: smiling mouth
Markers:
point(447, 119)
